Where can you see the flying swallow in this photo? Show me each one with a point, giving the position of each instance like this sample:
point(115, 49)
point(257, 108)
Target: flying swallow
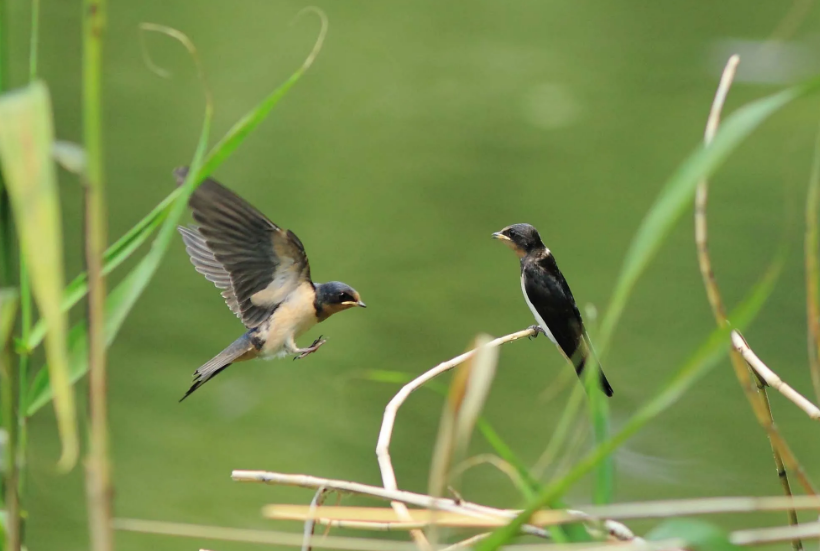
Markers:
point(264, 275)
point(549, 297)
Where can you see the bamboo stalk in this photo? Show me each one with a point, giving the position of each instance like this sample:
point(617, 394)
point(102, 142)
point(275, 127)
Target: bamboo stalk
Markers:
point(759, 401)
point(98, 477)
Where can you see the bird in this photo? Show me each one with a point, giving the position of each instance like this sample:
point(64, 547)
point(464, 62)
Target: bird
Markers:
point(549, 297)
point(264, 275)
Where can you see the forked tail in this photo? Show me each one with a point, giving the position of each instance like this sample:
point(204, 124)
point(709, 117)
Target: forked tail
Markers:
point(215, 365)
point(579, 366)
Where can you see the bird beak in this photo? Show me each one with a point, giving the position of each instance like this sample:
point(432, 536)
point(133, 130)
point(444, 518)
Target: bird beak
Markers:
point(501, 236)
point(351, 303)
point(361, 304)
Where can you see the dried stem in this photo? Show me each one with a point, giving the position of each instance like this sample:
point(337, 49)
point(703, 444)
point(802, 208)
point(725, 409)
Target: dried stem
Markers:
point(759, 401)
point(268, 537)
point(548, 517)
point(771, 377)
point(811, 251)
point(310, 521)
point(395, 496)
point(98, 477)
point(389, 420)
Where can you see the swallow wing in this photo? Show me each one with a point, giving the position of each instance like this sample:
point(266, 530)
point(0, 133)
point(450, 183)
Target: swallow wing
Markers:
point(264, 262)
point(206, 264)
point(549, 295)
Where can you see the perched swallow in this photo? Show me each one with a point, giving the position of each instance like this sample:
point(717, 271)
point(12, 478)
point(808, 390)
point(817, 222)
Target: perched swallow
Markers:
point(264, 275)
point(549, 297)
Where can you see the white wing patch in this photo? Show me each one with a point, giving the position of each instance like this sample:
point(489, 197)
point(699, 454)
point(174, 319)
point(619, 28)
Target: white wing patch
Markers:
point(535, 313)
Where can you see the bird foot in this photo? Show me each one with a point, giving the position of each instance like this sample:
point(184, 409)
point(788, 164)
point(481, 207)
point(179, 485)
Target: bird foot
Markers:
point(538, 329)
point(310, 349)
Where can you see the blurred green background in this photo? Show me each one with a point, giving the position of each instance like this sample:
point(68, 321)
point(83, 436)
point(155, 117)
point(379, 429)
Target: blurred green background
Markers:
point(422, 128)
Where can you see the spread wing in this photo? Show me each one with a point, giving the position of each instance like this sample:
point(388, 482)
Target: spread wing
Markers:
point(549, 294)
point(206, 264)
point(263, 262)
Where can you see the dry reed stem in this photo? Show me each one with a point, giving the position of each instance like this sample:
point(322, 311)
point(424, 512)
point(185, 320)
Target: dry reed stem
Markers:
point(759, 401)
point(389, 420)
point(401, 496)
point(771, 377)
point(625, 511)
point(267, 537)
point(740, 537)
point(811, 245)
point(310, 522)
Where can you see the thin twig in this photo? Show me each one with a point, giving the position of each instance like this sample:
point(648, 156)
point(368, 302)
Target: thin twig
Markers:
point(771, 377)
point(759, 401)
point(389, 420)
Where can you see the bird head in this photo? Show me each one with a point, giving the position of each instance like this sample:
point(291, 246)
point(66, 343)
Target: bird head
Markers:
point(334, 297)
point(521, 238)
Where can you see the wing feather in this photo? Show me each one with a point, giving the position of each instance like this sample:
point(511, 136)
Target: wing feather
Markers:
point(263, 262)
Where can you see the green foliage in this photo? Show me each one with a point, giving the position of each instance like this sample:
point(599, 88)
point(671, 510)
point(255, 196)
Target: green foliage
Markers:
point(679, 191)
point(26, 139)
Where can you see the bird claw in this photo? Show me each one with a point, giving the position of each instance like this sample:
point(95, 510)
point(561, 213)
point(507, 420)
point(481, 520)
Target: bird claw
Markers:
point(310, 349)
point(538, 329)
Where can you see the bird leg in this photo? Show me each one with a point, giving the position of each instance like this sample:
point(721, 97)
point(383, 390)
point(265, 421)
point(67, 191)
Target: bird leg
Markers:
point(538, 329)
point(302, 352)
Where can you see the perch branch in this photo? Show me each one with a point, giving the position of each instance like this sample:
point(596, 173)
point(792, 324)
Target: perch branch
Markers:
point(771, 377)
point(389, 420)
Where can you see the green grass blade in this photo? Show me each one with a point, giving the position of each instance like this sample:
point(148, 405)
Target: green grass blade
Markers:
point(114, 256)
point(26, 138)
point(707, 355)
point(678, 192)
point(237, 134)
point(135, 237)
point(599, 416)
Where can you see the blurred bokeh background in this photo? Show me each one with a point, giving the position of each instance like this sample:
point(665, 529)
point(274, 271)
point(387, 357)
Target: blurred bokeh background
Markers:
point(422, 128)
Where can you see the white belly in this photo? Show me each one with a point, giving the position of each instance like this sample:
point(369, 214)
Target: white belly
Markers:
point(535, 313)
point(290, 320)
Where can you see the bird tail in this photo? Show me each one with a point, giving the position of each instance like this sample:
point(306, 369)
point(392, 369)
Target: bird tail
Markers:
point(240, 347)
point(579, 367)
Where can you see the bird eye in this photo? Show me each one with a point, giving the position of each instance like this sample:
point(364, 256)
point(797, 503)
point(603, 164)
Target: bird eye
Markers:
point(344, 297)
